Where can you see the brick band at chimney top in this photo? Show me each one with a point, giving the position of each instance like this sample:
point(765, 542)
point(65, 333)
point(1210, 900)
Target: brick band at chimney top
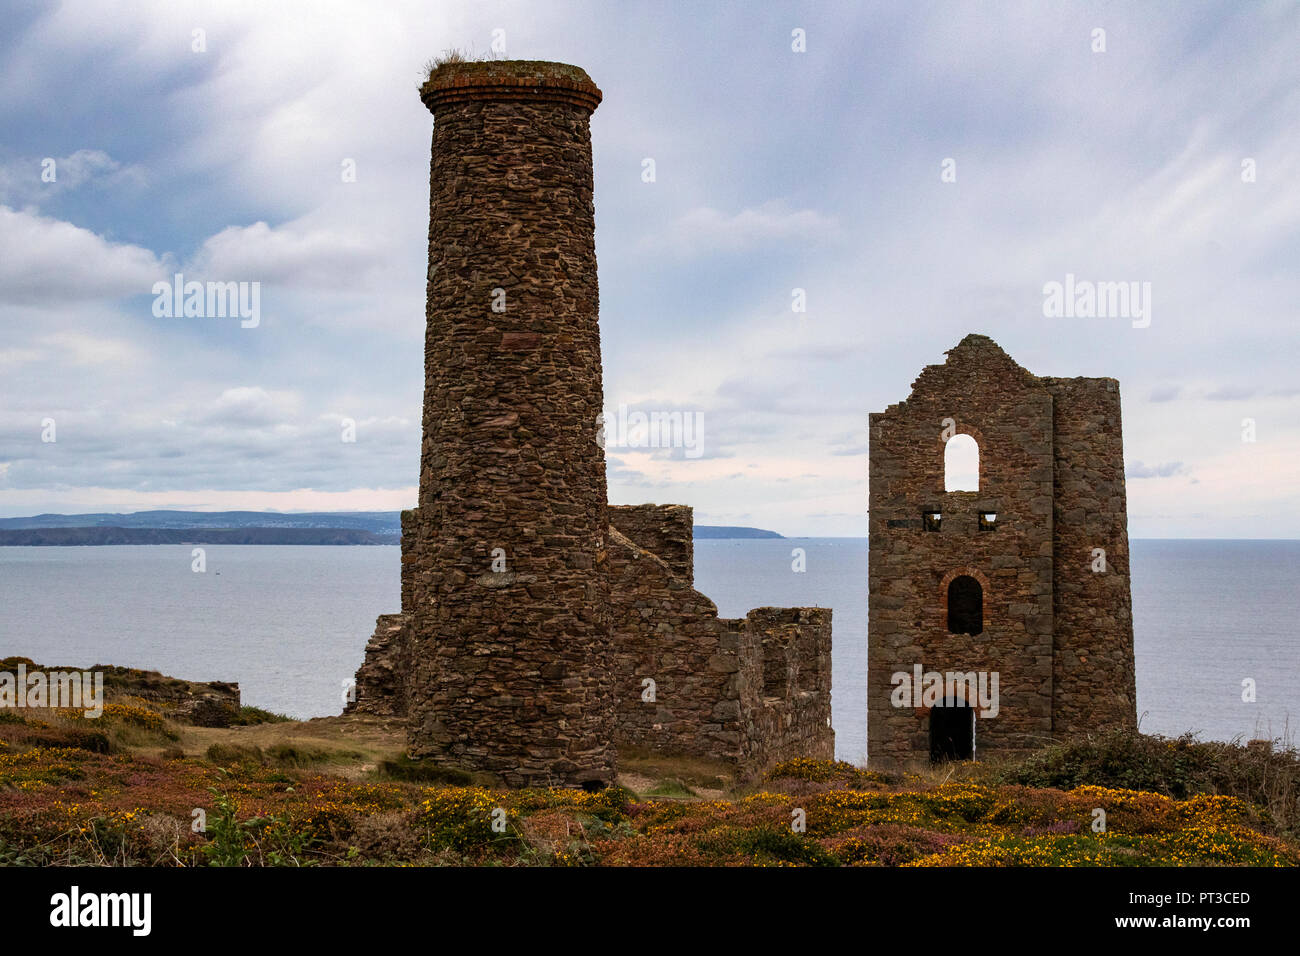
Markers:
point(510, 668)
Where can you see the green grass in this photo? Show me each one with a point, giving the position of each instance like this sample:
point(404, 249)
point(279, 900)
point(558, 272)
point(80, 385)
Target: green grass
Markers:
point(421, 771)
point(249, 716)
point(670, 788)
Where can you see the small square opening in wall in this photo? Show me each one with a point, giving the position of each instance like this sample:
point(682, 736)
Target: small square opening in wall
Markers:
point(988, 520)
point(931, 520)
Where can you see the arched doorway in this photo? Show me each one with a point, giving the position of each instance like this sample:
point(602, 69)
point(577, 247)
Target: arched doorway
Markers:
point(952, 732)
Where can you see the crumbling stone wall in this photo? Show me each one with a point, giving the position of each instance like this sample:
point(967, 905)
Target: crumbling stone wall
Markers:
point(785, 699)
point(667, 633)
point(380, 683)
point(1030, 477)
point(747, 691)
point(667, 531)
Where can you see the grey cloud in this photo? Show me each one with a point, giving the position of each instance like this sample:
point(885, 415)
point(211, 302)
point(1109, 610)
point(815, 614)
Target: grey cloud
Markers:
point(49, 262)
point(1166, 470)
point(1165, 393)
point(291, 255)
point(25, 180)
point(849, 443)
point(1230, 393)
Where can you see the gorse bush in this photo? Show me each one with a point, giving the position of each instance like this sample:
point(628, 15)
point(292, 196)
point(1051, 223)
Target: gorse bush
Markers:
point(132, 714)
point(461, 818)
point(609, 805)
point(835, 772)
point(1265, 775)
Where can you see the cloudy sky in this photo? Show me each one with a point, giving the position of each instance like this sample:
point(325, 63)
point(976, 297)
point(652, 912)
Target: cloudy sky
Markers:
point(920, 171)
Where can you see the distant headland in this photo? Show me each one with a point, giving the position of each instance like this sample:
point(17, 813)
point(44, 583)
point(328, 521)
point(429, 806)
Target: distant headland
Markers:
point(730, 531)
point(239, 527)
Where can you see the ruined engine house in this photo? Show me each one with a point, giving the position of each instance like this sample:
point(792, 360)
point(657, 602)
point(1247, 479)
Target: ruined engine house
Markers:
point(1012, 584)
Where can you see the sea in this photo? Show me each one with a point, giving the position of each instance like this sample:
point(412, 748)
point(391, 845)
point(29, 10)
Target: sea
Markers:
point(1215, 621)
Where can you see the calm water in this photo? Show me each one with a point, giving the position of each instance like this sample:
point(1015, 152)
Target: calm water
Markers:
point(290, 623)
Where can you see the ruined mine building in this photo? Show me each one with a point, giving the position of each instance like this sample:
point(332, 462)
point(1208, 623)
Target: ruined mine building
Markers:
point(1022, 572)
point(540, 628)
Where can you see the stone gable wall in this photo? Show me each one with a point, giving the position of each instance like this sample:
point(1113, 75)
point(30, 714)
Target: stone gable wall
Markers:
point(991, 398)
point(667, 632)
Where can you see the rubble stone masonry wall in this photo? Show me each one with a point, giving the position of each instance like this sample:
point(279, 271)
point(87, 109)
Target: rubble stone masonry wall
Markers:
point(748, 691)
point(1094, 679)
point(786, 700)
point(508, 617)
point(670, 634)
point(665, 530)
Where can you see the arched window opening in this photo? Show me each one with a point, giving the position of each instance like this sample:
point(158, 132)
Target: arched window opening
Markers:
point(965, 606)
point(961, 464)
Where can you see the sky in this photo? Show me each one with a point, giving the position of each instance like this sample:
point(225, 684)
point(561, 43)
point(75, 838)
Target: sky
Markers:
point(909, 172)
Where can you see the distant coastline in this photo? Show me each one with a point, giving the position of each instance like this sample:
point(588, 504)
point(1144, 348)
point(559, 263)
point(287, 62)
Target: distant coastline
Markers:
point(239, 527)
point(730, 531)
point(83, 537)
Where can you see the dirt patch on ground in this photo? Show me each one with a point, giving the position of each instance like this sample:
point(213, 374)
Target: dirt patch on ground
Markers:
point(351, 746)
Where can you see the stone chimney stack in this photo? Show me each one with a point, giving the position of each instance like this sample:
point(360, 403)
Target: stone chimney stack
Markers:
point(504, 574)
